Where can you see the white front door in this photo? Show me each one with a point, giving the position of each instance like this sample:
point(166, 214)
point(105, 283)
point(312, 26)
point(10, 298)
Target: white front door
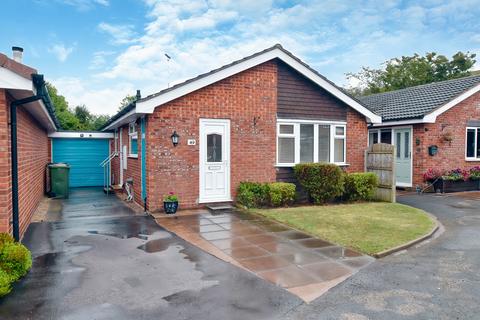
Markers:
point(214, 160)
point(403, 160)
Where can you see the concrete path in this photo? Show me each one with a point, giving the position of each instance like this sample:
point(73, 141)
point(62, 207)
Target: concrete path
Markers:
point(437, 280)
point(99, 260)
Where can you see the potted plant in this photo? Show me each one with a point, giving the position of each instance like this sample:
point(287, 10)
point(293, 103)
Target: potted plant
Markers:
point(170, 203)
point(457, 180)
point(475, 175)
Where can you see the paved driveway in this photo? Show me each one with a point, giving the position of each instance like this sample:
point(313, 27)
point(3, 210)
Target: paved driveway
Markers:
point(100, 261)
point(438, 280)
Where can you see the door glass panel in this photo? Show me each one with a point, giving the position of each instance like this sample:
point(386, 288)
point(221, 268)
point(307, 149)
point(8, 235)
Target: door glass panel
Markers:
point(214, 148)
point(339, 150)
point(286, 150)
point(407, 145)
point(471, 143)
point(306, 143)
point(324, 143)
point(386, 136)
point(398, 144)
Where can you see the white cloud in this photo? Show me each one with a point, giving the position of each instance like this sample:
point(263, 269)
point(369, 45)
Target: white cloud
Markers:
point(84, 5)
point(61, 52)
point(120, 33)
point(99, 100)
point(100, 59)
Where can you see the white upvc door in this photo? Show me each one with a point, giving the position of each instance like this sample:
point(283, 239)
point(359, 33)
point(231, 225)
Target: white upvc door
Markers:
point(214, 162)
point(403, 156)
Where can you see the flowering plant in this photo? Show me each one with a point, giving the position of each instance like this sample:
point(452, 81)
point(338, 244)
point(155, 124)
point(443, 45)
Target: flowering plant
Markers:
point(432, 174)
point(170, 197)
point(457, 174)
point(475, 173)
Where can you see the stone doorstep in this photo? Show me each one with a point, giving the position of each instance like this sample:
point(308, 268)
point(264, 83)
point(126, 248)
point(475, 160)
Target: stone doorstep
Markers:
point(307, 292)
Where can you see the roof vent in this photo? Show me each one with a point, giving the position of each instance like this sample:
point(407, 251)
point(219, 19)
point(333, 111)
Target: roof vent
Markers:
point(17, 54)
point(139, 95)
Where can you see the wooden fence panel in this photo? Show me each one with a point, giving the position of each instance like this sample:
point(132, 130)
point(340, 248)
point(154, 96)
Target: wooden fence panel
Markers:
point(380, 159)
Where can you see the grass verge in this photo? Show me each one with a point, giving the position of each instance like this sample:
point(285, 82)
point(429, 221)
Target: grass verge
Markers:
point(366, 227)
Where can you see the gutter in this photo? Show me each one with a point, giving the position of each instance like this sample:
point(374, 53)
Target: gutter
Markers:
point(39, 83)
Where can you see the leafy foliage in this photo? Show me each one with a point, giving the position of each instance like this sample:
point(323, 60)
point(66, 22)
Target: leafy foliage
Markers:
point(252, 194)
point(360, 186)
point(475, 173)
point(126, 101)
point(5, 283)
point(409, 71)
point(77, 119)
point(323, 181)
point(15, 259)
point(170, 197)
point(281, 193)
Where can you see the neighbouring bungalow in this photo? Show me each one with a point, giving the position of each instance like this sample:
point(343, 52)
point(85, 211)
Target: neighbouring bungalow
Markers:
point(435, 125)
point(251, 120)
point(26, 118)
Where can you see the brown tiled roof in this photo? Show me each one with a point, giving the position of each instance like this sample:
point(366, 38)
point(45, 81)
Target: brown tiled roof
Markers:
point(18, 68)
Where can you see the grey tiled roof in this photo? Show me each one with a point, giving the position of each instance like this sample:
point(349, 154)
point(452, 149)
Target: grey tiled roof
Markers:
point(415, 102)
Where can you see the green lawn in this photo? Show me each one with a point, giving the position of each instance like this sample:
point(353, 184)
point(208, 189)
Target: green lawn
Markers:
point(367, 227)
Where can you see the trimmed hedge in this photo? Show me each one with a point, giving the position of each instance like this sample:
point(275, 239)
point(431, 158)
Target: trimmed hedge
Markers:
point(15, 261)
point(281, 194)
point(256, 195)
point(323, 181)
point(360, 186)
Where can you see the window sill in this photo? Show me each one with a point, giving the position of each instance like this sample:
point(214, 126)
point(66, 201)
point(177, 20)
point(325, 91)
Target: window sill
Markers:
point(472, 159)
point(133, 156)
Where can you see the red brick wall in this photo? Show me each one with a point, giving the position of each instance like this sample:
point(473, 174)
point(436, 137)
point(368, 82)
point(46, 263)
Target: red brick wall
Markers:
point(240, 98)
point(5, 164)
point(33, 156)
point(357, 141)
point(450, 154)
point(32, 160)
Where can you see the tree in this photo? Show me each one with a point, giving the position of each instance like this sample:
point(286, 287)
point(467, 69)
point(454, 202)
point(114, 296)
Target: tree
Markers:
point(126, 101)
point(409, 71)
point(77, 120)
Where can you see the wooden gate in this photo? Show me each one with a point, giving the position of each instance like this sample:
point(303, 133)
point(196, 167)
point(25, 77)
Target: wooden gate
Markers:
point(380, 159)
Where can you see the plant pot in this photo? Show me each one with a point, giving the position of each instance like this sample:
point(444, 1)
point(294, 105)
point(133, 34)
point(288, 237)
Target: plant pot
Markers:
point(446, 186)
point(170, 207)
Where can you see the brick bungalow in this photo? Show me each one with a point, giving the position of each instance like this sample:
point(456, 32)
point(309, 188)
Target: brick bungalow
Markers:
point(251, 120)
point(23, 91)
point(432, 126)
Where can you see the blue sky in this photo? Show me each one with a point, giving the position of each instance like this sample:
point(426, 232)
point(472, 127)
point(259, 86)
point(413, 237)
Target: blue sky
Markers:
point(97, 51)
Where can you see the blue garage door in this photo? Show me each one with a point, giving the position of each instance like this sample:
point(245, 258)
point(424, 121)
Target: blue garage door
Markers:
point(84, 157)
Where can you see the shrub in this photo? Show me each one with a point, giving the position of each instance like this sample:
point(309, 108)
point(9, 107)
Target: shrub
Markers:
point(432, 174)
point(5, 283)
point(15, 259)
point(323, 181)
point(5, 238)
point(252, 194)
point(475, 173)
point(360, 186)
point(281, 193)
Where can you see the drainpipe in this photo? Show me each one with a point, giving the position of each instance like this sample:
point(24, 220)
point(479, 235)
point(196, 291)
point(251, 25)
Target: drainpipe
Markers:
point(14, 158)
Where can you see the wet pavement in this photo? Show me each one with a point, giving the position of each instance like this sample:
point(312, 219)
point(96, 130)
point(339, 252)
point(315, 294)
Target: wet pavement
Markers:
point(296, 261)
point(97, 259)
point(438, 279)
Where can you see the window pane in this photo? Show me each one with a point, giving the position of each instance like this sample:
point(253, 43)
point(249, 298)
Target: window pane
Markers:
point(339, 152)
point(286, 129)
point(214, 148)
point(306, 143)
point(471, 143)
point(399, 139)
point(324, 143)
point(372, 137)
point(339, 131)
point(386, 136)
point(133, 145)
point(286, 150)
point(407, 145)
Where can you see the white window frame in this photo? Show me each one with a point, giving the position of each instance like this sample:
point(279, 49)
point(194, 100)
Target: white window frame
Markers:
point(115, 142)
point(475, 157)
point(296, 135)
point(132, 134)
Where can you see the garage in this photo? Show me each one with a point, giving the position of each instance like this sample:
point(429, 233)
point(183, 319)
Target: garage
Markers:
point(84, 152)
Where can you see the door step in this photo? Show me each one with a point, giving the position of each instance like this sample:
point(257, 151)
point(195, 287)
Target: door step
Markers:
point(217, 207)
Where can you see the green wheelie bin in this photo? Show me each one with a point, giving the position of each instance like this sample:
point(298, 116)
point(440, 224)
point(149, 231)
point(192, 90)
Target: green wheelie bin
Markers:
point(59, 177)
